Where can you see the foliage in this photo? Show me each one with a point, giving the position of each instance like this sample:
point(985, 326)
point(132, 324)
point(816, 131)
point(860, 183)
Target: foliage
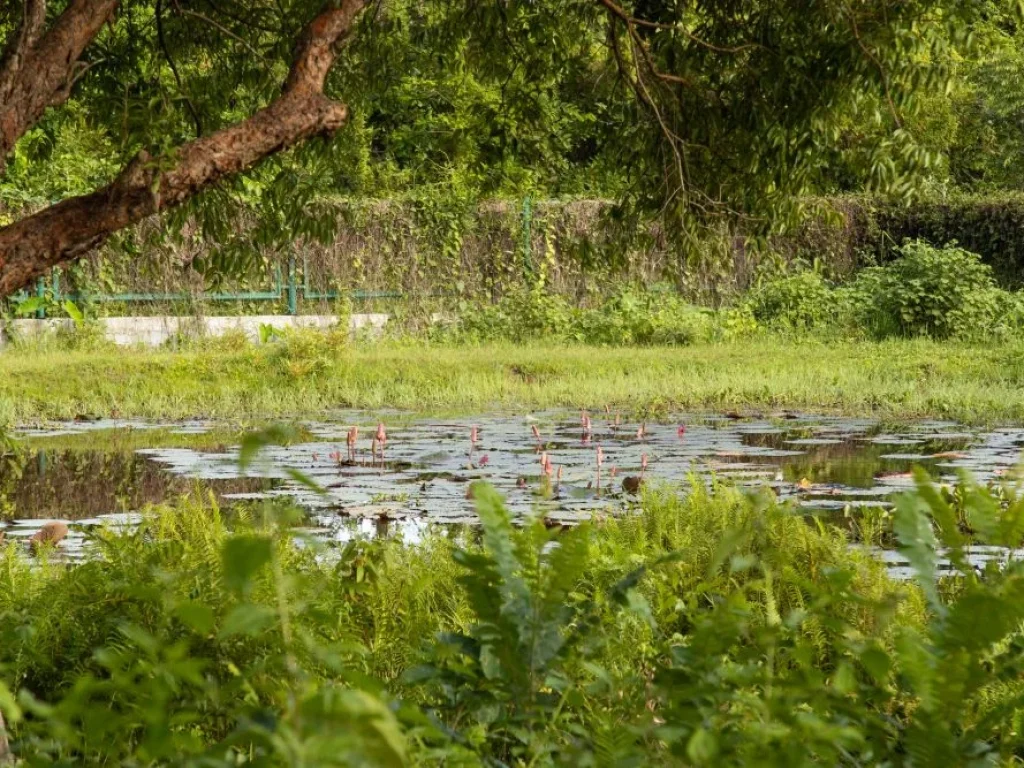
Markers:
point(628, 317)
point(930, 291)
point(925, 291)
point(12, 463)
point(800, 301)
point(869, 231)
point(466, 101)
point(710, 628)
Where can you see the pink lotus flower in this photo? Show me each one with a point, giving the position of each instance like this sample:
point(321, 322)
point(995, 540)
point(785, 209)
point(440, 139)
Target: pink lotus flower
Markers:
point(545, 464)
point(474, 435)
point(351, 439)
point(484, 460)
point(641, 432)
point(681, 430)
point(536, 432)
point(643, 463)
point(382, 435)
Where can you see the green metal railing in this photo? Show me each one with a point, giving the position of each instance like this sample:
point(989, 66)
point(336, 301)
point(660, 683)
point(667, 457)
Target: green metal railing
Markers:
point(288, 290)
point(286, 287)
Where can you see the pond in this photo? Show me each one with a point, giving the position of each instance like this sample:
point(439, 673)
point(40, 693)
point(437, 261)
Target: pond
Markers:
point(93, 473)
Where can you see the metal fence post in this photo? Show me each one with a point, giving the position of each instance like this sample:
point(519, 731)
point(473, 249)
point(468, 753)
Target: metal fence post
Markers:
point(41, 294)
point(293, 299)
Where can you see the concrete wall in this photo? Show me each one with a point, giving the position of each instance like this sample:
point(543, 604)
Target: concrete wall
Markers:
point(154, 331)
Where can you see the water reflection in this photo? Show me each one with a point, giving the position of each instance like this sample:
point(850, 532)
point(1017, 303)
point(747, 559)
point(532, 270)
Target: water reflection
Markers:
point(546, 461)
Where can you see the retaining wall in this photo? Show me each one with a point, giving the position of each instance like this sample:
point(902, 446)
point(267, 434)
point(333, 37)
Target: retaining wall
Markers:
point(155, 331)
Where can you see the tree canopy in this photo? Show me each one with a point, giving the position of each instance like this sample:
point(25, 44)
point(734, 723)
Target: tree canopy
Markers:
point(112, 112)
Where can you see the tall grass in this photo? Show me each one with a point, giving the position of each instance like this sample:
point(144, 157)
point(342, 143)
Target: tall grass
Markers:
point(897, 379)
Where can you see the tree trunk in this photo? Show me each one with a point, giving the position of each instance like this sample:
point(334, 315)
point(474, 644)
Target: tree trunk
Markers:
point(74, 227)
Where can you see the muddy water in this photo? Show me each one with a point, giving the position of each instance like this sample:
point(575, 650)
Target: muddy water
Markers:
point(828, 466)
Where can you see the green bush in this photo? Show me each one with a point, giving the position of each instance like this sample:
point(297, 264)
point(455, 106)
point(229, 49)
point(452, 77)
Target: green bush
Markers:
point(797, 302)
point(873, 229)
point(627, 317)
point(937, 292)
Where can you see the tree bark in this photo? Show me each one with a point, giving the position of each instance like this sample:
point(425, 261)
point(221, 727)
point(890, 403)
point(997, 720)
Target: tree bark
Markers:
point(39, 69)
point(74, 227)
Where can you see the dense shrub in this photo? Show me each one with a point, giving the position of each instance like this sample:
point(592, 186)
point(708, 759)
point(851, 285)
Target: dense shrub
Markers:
point(927, 291)
point(628, 317)
point(868, 231)
point(941, 293)
point(801, 301)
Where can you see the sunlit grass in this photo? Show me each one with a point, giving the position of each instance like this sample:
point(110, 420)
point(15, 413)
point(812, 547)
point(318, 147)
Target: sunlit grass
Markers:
point(897, 379)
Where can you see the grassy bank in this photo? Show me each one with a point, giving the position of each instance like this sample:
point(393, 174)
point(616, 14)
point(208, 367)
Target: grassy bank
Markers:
point(229, 379)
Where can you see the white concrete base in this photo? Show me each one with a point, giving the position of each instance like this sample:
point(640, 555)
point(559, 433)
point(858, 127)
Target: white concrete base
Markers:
point(155, 331)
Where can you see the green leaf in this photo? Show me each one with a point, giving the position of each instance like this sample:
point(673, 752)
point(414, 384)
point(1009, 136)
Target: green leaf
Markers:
point(254, 442)
point(247, 619)
point(243, 557)
point(8, 705)
point(702, 746)
point(917, 542)
point(30, 306)
point(877, 662)
point(196, 616)
point(74, 313)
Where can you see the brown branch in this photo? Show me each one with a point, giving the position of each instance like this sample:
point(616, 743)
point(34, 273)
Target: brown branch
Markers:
point(46, 66)
point(24, 36)
point(72, 228)
point(638, 43)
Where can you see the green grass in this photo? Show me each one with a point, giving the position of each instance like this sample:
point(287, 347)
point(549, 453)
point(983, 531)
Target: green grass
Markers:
point(896, 379)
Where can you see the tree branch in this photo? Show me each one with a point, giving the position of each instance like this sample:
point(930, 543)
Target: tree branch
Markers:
point(24, 36)
point(37, 75)
point(72, 228)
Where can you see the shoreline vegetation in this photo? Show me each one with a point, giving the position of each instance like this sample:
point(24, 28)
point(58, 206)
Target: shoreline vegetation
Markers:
point(709, 628)
point(305, 372)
